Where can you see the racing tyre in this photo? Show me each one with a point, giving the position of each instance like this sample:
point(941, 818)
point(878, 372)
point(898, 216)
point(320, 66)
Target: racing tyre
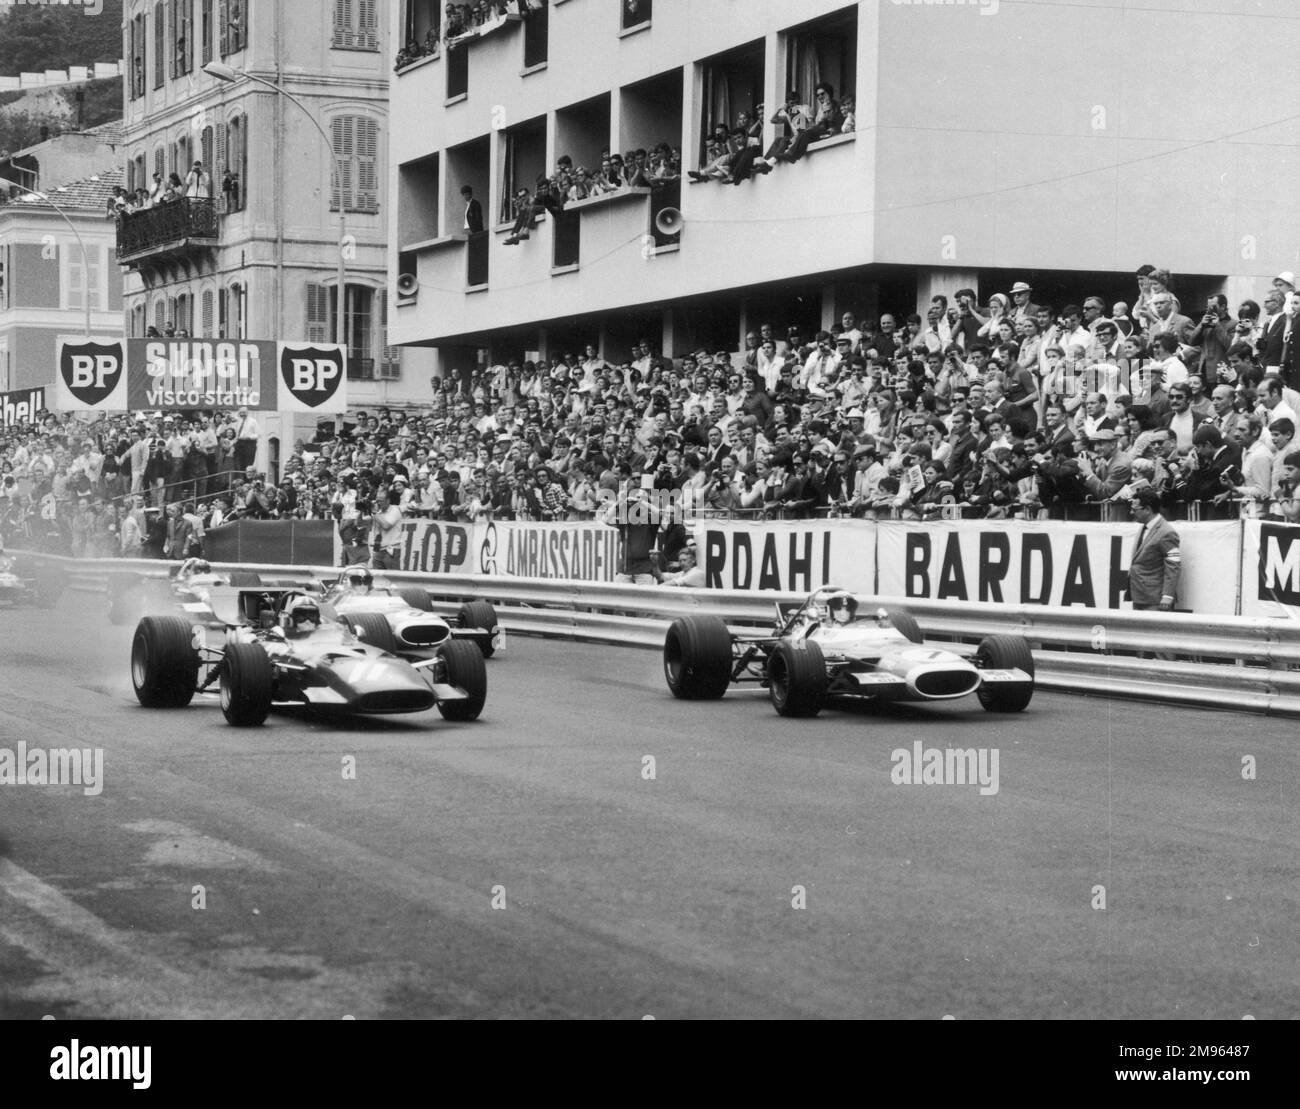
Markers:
point(796, 676)
point(479, 614)
point(374, 630)
point(416, 598)
point(245, 578)
point(164, 663)
point(697, 658)
point(906, 623)
point(247, 685)
point(465, 668)
point(1005, 652)
point(123, 598)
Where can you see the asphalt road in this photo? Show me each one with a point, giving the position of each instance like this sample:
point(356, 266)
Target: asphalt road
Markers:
point(624, 896)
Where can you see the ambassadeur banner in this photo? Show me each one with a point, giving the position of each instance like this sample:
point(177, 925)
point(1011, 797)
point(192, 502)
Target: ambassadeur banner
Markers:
point(1056, 563)
point(575, 550)
point(21, 406)
point(131, 375)
point(789, 556)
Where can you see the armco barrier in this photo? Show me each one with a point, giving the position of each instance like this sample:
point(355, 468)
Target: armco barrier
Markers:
point(1224, 662)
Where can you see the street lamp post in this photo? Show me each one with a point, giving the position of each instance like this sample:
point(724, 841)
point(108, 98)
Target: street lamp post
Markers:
point(223, 72)
point(32, 194)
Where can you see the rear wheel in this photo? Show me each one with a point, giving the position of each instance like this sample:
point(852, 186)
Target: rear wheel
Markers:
point(465, 668)
point(479, 614)
point(164, 663)
point(416, 598)
point(796, 674)
point(247, 685)
point(374, 629)
point(1005, 652)
point(697, 658)
point(906, 623)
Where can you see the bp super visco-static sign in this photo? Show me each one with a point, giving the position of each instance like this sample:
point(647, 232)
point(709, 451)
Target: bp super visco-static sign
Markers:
point(126, 375)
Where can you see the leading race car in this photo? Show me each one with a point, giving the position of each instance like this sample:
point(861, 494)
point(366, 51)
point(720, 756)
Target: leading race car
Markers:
point(407, 614)
point(293, 655)
point(827, 648)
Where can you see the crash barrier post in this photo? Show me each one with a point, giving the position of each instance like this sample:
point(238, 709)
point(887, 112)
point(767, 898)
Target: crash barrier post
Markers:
point(1222, 662)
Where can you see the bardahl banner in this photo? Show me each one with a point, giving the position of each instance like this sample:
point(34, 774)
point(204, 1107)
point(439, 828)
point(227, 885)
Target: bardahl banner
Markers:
point(794, 556)
point(1025, 563)
point(1270, 569)
point(124, 375)
point(21, 406)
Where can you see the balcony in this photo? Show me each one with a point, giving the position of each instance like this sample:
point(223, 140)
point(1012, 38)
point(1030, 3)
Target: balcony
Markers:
point(167, 231)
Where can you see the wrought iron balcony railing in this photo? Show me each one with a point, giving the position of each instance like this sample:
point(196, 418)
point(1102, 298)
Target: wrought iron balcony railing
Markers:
point(169, 228)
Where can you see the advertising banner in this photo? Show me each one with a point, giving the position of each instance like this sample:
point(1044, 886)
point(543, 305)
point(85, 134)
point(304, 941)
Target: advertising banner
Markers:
point(172, 374)
point(438, 547)
point(1270, 569)
point(21, 406)
point(794, 556)
point(580, 550)
point(1050, 563)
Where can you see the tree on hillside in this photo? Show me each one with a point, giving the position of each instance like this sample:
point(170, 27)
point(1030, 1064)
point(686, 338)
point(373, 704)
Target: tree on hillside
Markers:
point(39, 37)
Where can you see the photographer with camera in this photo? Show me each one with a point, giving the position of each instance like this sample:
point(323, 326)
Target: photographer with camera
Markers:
point(385, 533)
point(1213, 335)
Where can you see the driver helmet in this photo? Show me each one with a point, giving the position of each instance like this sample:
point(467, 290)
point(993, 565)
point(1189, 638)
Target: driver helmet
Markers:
point(883, 619)
point(192, 566)
point(359, 579)
point(842, 607)
point(301, 616)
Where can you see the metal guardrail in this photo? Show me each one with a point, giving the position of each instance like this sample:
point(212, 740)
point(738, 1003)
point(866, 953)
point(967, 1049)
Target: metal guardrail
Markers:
point(1220, 662)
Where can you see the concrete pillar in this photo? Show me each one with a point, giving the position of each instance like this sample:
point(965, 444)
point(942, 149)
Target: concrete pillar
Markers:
point(829, 319)
point(666, 342)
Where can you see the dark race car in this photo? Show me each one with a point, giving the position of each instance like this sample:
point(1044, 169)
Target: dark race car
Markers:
point(824, 649)
point(281, 651)
point(26, 581)
point(407, 611)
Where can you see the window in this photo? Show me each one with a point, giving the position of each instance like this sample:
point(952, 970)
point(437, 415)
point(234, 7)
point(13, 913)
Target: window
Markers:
point(159, 43)
point(390, 358)
point(234, 173)
point(361, 329)
point(523, 161)
point(184, 317)
point(139, 39)
point(420, 29)
point(205, 150)
point(205, 31)
point(536, 29)
point(182, 18)
point(137, 321)
point(171, 313)
point(356, 181)
point(732, 83)
point(232, 16)
point(77, 282)
point(221, 314)
point(457, 71)
point(635, 12)
point(318, 314)
point(238, 310)
point(182, 149)
point(356, 25)
point(825, 50)
point(160, 313)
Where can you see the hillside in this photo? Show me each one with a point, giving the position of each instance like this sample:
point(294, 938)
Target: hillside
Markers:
point(23, 113)
point(51, 36)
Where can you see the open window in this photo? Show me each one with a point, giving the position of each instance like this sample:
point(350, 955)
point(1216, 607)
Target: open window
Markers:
point(635, 13)
point(730, 83)
point(457, 71)
point(537, 29)
point(823, 51)
point(417, 200)
point(421, 31)
point(523, 160)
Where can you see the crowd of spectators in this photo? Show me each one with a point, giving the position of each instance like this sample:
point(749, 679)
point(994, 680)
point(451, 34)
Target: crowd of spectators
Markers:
point(460, 21)
point(1014, 410)
point(197, 184)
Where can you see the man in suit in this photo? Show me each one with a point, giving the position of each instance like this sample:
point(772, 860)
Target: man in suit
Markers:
point(1165, 320)
point(473, 211)
point(1024, 309)
point(1111, 469)
point(1205, 483)
point(1272, 337)
point(1156, 562)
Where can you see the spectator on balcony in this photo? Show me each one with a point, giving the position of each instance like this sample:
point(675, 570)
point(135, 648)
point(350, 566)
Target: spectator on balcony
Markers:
point(473, 222)
point(850, 123)
point(156, 190)
point(174, 189)
point(794, 117)
point(827, 120)
point(230, 190)
point(198, 183)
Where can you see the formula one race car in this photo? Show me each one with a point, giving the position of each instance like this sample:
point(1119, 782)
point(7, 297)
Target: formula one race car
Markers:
point(186, 592)
point(407, 613)
point(298, 657)
point(25, 582)
point(824, 648)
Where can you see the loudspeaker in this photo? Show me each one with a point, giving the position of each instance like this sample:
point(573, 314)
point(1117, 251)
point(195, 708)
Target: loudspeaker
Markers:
point(408, 286)
point(669, 221)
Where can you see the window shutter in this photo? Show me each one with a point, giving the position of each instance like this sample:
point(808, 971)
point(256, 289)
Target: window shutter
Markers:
point(159, 163)
point(367, 199)
point(220, 161)
point(368, 31)
point(160, 313)
point(318, 314)
point(159, 43)
point(345, 20)
point(343, 132)
point(223, 26)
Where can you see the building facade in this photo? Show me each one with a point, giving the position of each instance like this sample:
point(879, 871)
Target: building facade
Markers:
point(992, 142)
point(255, 253)
point(45, 278)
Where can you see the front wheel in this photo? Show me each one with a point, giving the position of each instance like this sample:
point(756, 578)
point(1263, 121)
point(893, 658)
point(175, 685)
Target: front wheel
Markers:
point(247, 685)
point(466, 669)
point(1005, 652)
point(796, 677)
point(479, 614)
point(164, 663)
point(697, 658)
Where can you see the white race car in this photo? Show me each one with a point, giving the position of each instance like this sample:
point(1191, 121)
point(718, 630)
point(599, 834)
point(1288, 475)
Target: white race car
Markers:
point(829, 647)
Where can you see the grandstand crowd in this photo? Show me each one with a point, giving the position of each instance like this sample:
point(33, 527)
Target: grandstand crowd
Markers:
point(1013, 410)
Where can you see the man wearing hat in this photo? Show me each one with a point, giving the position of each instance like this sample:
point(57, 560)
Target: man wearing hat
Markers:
point(1105, 469)
point(1023, 308)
